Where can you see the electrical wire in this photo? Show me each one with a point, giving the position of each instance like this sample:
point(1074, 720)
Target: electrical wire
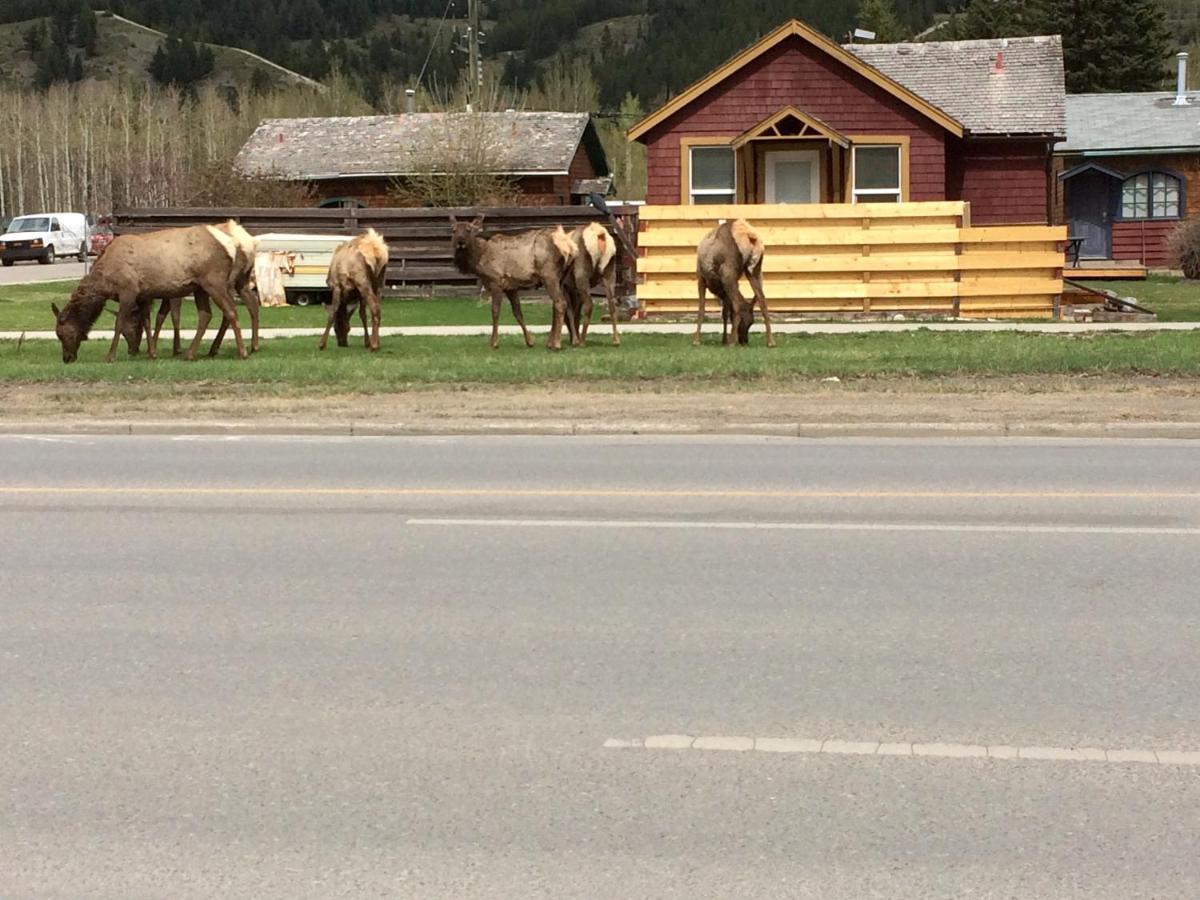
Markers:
point(433, 44)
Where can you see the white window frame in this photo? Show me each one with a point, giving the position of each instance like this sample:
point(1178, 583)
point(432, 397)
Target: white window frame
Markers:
point(777, 156)
point(693, 192)
point(865, 195)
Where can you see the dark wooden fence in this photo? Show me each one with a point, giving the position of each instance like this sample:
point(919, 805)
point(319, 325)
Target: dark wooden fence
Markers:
point(419, 239)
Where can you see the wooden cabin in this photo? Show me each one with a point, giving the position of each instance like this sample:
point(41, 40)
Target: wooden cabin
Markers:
point(553, 158)
point(1128, 175)
point(798, 118)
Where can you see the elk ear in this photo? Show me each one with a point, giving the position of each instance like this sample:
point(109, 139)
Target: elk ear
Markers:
point(57, 312)
point(477, 222)
point(453, 220)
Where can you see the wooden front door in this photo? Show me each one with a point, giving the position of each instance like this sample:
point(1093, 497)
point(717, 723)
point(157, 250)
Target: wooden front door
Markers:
point(1089, 213)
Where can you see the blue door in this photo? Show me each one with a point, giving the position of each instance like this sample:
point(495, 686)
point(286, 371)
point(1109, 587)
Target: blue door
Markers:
point(1089, 212)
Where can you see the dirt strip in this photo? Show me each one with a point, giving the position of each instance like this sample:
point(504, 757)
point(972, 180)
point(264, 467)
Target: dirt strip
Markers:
point(1006, 405)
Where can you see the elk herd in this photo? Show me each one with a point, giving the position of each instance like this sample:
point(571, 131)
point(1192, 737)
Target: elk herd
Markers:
point(215, 264)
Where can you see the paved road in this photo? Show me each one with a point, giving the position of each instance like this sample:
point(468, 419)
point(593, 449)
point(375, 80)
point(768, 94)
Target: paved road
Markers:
point(32, 273)
point(389, 667)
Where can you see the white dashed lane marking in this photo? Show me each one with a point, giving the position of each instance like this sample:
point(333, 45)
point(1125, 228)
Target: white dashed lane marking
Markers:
point(741, 744)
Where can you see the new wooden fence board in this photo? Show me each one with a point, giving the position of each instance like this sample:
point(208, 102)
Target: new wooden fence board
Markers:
point(870, 257)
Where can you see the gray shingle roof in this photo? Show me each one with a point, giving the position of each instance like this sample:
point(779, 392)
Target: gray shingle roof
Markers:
point(541, 143)
point(1130, 122)
point(961, 79)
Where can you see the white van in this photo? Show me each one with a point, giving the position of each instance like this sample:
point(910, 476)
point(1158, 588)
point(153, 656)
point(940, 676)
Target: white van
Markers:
point(44, 237)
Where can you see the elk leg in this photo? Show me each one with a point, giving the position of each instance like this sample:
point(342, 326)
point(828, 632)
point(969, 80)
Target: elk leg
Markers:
point(126, 306)
point(514, 300)
point(585, 310)
point(203, 317)
point(372, 300)
point(760, 297)
point(332, 308)
point(572, 314)
point(497, 299)
point(218, 337)
point(554, 342)
point(229, 309)
point(701, 287)
point(610, 295)
point(163, 309)
point(253, 305)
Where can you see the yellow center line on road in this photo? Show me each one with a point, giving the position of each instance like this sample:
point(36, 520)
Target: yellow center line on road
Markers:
point(601, 493)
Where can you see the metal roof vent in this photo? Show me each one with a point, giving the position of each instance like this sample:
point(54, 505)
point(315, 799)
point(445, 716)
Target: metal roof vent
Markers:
point(1181, 85)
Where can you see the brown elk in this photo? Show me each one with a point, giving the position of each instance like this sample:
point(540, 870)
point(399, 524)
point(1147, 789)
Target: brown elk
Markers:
point(509, 263)
point(356, 275)
point(137, 269)
point(242, 284)
point(595, 263)
point(727, 253)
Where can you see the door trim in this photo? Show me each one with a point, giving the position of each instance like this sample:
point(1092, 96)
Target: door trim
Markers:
point(773, 156)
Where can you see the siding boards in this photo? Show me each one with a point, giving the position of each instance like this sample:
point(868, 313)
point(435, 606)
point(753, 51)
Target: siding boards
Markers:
point(798, 74)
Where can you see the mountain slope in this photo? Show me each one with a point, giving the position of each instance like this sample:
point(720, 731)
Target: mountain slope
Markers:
point(125, 48)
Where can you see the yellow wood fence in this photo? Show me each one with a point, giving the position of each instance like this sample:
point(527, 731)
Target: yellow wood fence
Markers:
point(873, 257)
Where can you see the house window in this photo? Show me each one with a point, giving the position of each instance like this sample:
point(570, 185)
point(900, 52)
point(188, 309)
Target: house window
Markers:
point(713, 174)
point(1151, 195)
point(876, 173)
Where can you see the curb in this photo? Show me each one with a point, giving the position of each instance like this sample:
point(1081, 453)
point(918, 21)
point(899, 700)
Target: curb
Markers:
point(805, 430)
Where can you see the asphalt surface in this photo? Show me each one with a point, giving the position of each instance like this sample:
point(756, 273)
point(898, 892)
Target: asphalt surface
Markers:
point(271, 667)
point(32, 273)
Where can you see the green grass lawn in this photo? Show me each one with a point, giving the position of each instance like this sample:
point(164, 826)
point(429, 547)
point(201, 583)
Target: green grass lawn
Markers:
point(26, 307)
point(295, 365)
point(1173, 299)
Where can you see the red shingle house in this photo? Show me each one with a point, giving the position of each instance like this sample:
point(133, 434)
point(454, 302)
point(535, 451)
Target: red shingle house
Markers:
point(798, 118)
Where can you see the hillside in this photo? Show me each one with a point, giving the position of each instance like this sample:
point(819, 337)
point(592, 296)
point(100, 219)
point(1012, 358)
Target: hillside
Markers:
point(124, 50)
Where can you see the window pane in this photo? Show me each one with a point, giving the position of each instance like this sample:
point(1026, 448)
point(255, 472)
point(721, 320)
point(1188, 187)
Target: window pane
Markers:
point(877, 198)
point(705, 199)
point(712, 168)
point(877, 168)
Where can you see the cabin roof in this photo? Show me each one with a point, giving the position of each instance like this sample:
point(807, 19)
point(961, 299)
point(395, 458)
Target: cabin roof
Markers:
point(511, 143)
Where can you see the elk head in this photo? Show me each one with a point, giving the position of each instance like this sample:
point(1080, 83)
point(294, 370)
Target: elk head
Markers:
point(70, 334)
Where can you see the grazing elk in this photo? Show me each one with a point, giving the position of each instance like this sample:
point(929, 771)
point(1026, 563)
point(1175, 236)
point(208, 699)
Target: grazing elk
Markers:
point(137, 269)
point(242, 284)
point(509, 263)
point(595, 262)
point(356, 275)
point(729, 252)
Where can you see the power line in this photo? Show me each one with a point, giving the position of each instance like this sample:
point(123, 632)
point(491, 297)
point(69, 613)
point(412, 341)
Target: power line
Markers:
point(433, 44)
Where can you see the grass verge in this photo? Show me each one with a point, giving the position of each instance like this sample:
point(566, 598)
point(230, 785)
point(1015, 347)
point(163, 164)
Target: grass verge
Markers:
point(295, 365)
point(1173, 299)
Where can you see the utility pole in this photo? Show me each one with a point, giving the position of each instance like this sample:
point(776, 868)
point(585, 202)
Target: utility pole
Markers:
point(475, 88)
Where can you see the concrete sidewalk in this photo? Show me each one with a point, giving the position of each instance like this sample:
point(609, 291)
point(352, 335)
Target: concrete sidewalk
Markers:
point(600, 333)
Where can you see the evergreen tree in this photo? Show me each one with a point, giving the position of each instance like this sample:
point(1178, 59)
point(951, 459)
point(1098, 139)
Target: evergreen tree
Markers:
point(880, 17)
point(76, 72)
point(35, 37)
point(86, 31)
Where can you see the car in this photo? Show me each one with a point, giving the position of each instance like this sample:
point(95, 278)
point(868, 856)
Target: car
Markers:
point(102, 236)
point(44, 237)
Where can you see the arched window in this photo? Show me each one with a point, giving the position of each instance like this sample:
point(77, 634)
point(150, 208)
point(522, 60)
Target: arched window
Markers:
point(1151, 195)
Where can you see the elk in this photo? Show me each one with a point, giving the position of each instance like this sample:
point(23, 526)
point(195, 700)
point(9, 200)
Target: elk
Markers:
point(242, 283)
point(509, 263)
point(137, 269)
point(356, 275)
point(595, 262)
point(727, 253)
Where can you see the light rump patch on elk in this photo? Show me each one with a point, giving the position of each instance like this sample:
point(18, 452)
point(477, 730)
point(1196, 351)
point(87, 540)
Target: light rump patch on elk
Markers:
point(138, 269)
point(508, 263)
point(595, 263)
point(356, 276)
point(728, 253)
